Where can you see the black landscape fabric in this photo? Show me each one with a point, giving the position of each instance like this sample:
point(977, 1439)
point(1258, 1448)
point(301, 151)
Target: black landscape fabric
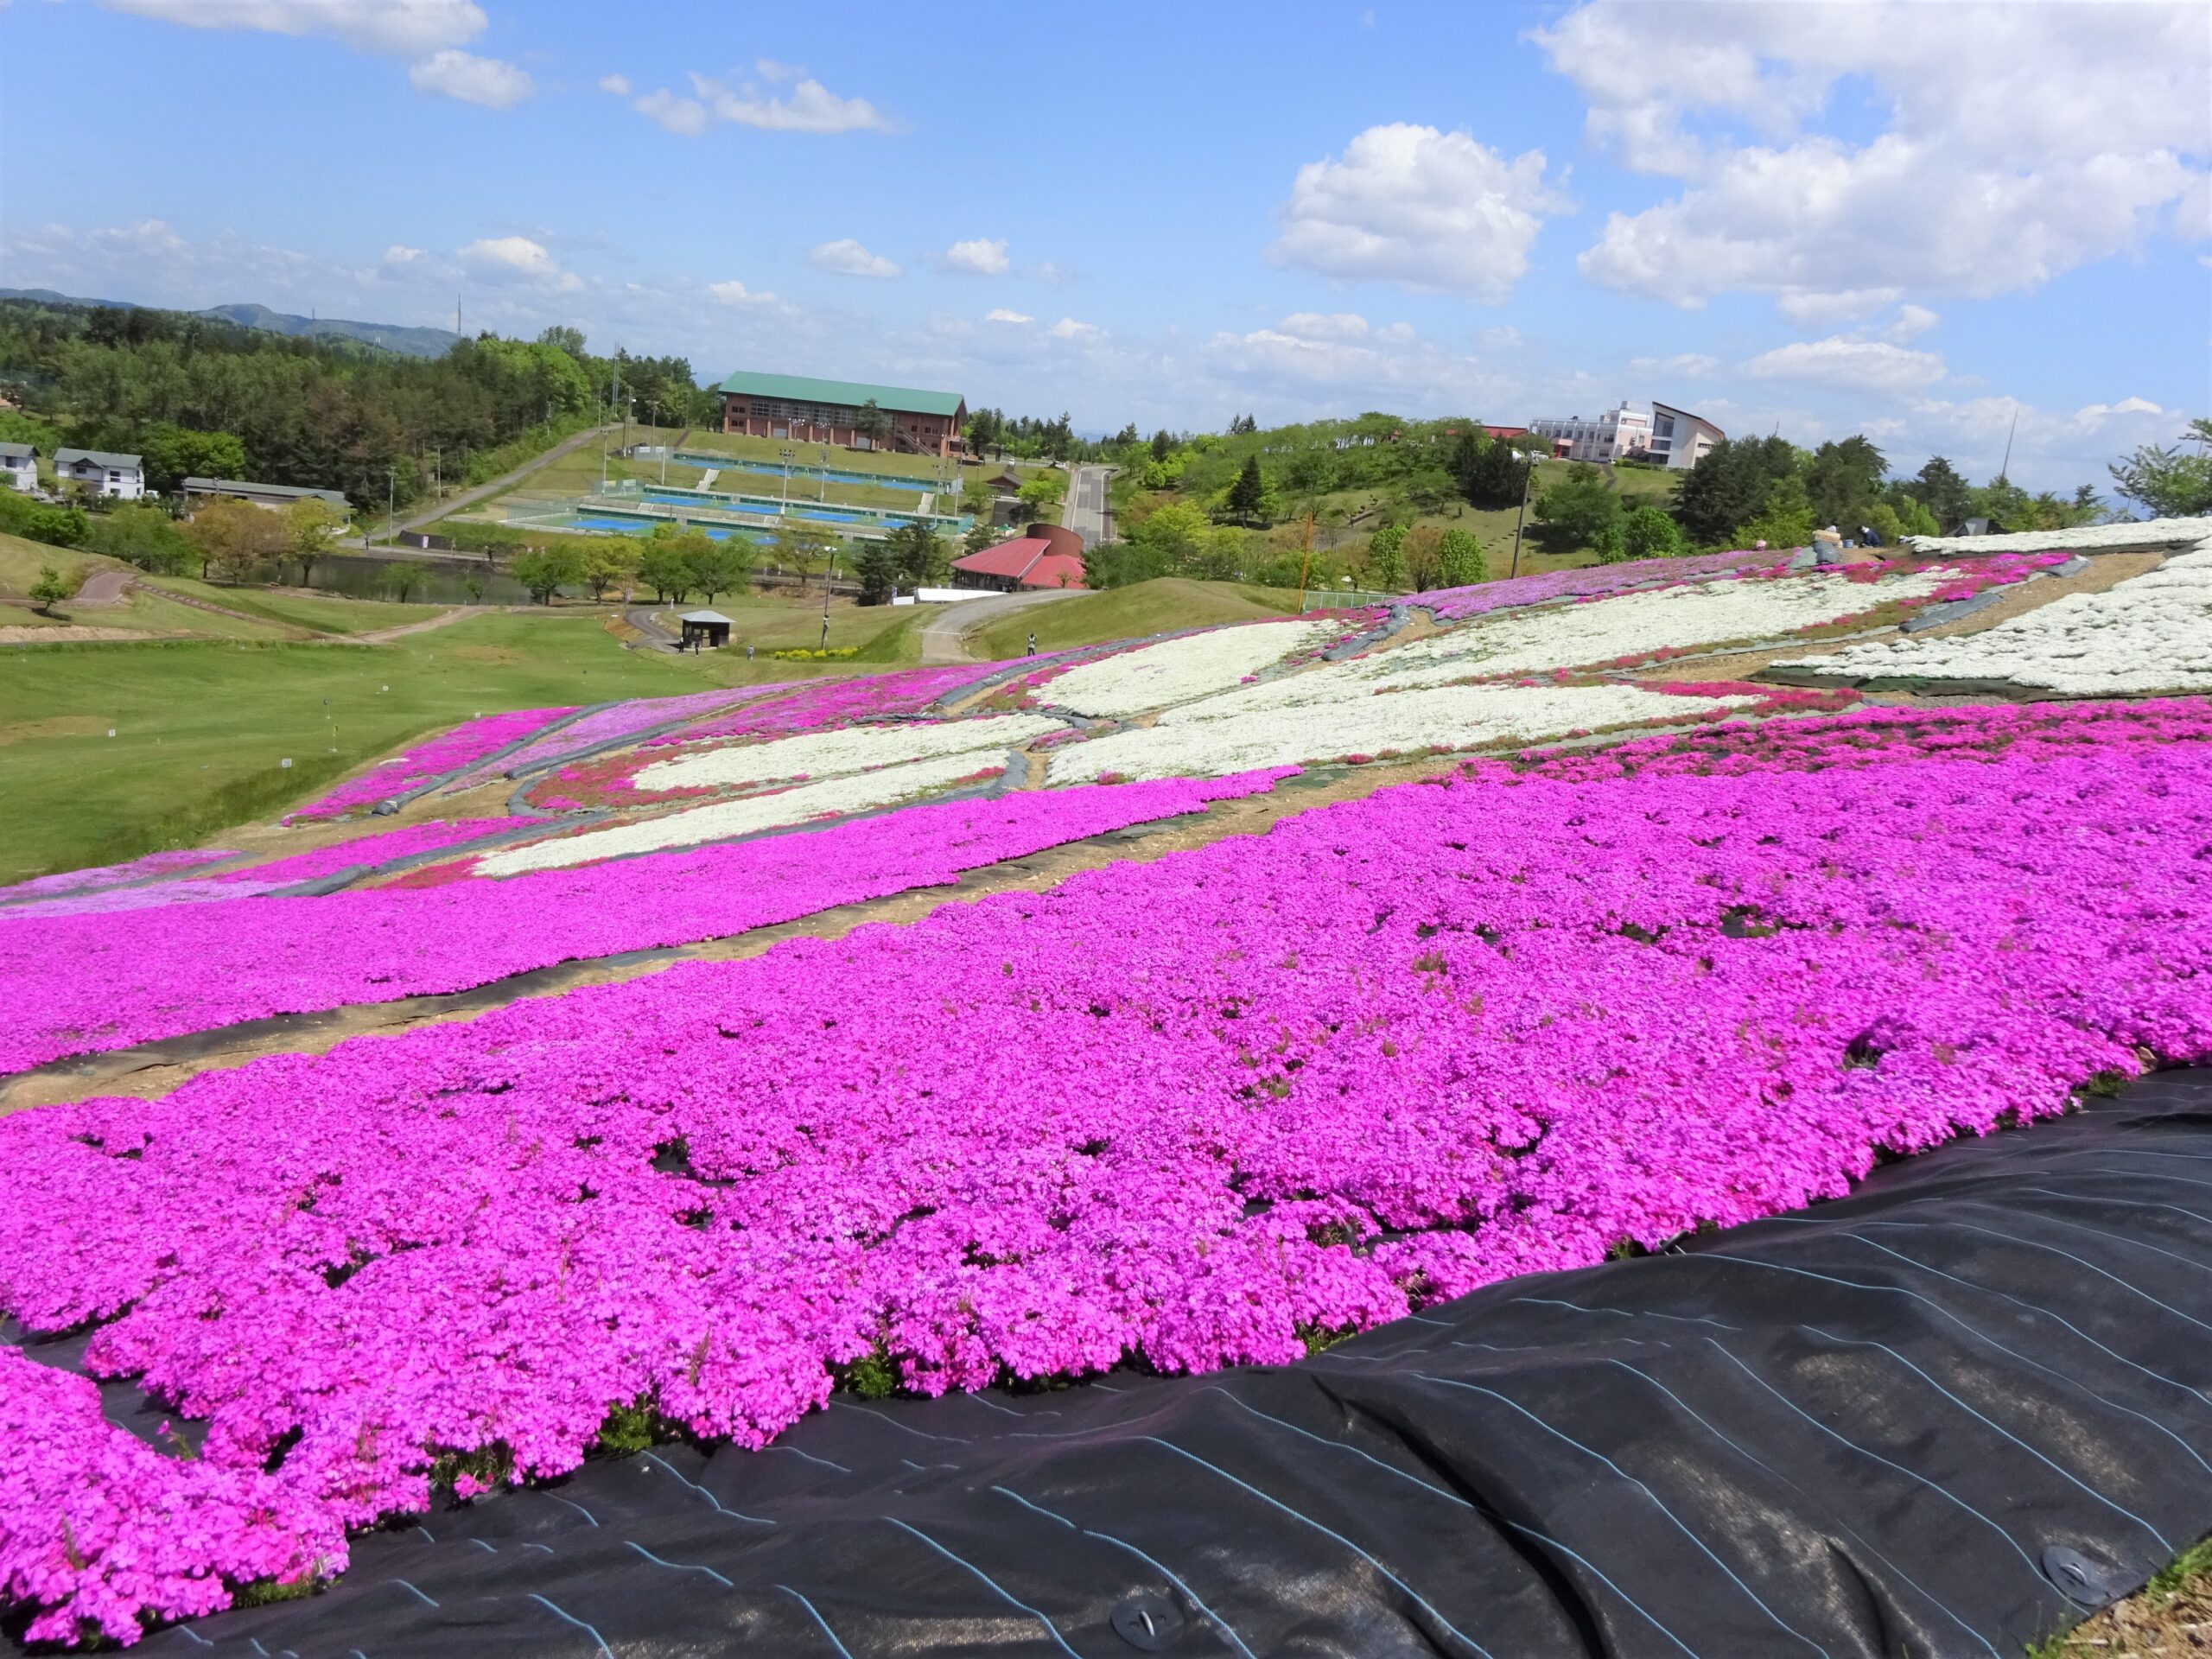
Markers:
point(1946, 1415)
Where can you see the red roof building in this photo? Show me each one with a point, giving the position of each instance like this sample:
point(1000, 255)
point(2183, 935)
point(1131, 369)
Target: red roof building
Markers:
point(1046, 555)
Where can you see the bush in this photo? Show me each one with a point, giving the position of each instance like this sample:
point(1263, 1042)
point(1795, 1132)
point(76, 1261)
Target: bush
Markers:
point(1650, 533)
point(33, 521)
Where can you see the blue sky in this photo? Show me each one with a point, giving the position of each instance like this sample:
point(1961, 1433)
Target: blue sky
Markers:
point(1921, 221)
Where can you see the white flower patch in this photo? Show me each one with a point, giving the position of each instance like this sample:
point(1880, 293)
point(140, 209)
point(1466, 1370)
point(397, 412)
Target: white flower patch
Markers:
point(1175, 671)
point(1575, 636)
point(725, 819)
point(1453, 716)
point(2151, 633)
point(828, 755)
point(2091, 538)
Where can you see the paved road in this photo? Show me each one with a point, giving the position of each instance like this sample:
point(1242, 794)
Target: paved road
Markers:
point(105, 586)
point(1084, 511)
point(944, 637)
point(470, 498)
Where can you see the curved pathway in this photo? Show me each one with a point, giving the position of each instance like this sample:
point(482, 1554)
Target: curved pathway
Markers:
point(945, 637)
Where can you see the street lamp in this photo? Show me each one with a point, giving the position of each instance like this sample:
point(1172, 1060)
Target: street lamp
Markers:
point(786, 455)
point(825, 474)
point(1528, 473)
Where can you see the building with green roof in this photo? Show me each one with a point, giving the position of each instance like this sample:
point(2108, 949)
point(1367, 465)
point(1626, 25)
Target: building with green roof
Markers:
point(806, 410)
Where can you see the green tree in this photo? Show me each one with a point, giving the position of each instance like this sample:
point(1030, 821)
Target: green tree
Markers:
point(312, 524)
point(1943, 492)
point(662, 567)
point(1787, 520)
point(1386, 557)
point(1246, 494)
point(980, 536)
point(1042, 493)
point(544, 571)
point(1460, 559)
point(1162, 443)
point(142, 534)
point(172, 454)
point(716, 567)
point(1650, 533)
point(49, 589)
point(2169, 483)
point(1914, 518)
point(401, 582)
point(610, 563)
point(802, 549)
point(1729, 486)
point(1842, 480)
point(916, 555)
point(876, 565)
point(236, 541)
point(1578, 508)
point(872, 424)
point(1179, 533)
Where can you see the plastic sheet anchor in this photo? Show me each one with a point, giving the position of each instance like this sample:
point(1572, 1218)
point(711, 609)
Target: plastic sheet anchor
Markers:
point(2080, 1580)
point(1149, 1622)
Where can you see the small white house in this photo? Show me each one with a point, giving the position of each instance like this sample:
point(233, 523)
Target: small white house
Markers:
point(19, 465)
point(1617, 433)
point(101, 473)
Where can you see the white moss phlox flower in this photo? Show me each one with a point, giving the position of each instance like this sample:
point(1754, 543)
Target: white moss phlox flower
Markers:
point(826, 754)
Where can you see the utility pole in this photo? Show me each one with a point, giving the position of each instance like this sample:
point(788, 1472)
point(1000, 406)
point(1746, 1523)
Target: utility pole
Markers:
point(1528, 473)
point(787, 456)
point(2005, 470)
point(390, 499)
point(824, 496)
point(1306, 564)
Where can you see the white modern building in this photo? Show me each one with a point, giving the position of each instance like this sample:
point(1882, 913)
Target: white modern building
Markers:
point(1678, 437)
point(1617, 433)
point(100, 473)
point(19, 465)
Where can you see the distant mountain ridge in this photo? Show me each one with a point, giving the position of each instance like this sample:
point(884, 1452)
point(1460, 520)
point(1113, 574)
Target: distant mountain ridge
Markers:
point(392, 336)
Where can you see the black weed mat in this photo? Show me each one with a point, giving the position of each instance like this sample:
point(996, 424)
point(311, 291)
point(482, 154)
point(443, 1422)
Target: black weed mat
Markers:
point(1944, 1416)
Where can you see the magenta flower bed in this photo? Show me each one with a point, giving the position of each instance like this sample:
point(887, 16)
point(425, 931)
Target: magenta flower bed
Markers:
point(80, 985)
point(471, 741)
point(1593, 581)
point(110, 875)
point(376, 849)
point(1198, 1111)
point(817, 705)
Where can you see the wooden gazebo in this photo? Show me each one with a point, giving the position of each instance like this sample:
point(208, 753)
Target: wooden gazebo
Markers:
point(709, 629)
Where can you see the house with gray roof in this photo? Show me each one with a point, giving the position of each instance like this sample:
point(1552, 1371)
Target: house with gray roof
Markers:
point(19, 465)
point(101, 472)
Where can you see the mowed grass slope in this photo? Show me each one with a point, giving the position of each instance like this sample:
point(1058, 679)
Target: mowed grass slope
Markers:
point(202, 725)
point(322, 613)
point(1160, 605)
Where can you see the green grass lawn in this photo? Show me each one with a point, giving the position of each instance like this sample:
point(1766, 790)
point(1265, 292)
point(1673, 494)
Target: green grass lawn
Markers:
point(321, 612)
point(200, 725)
point(1156, 606)
point(809, 455)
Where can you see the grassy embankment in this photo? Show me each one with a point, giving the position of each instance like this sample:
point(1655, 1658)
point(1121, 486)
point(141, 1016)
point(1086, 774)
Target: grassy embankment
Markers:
point(1156, 606)
point(200, 724)
point(1493, 526)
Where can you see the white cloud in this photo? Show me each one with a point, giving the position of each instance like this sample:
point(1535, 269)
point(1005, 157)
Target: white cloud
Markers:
point(683, 116)
point(810, 107)
point(1428, 210)
point(1854, 364)
point(1315, 325)
point(2020, 141)
point(511, 259)
point(1069, 328)
point(769, 69)
point(1683, 365)
point(428, 33)
point(846, 257)
point(617, 84)
point(398, 255)
point(1910, 322)
point(405, 29)
point(1001, 314)
point(736, 293)
point(486, 81)
point(980, 258)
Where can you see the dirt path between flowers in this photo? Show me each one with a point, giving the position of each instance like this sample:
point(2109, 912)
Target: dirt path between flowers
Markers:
point(156, 1068)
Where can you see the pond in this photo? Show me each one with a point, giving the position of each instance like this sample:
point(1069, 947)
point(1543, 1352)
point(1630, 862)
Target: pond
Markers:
point(437, 581)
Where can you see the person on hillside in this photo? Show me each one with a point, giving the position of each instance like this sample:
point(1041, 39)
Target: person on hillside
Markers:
point(1033, 645)
point(1869, 537)
point(1827, 546)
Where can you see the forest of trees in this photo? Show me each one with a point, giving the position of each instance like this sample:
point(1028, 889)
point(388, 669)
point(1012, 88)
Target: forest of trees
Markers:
point(1236, 506)
point(194, 394)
